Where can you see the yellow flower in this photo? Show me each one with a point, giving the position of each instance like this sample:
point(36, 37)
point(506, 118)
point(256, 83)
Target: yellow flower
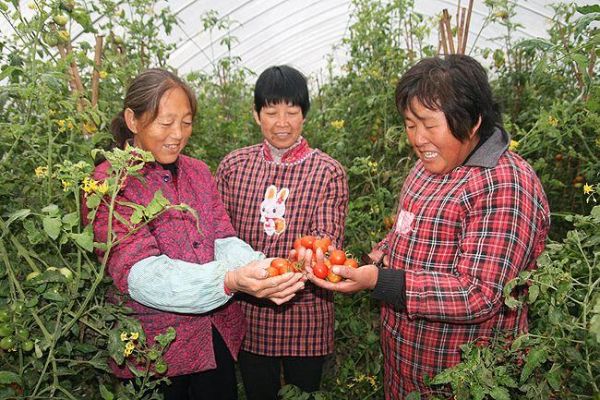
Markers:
point(134, 335)
point(128, 349)
point(41, 172)
point(552, 121)
point(61, 123)
point(89, 185)
point(338, 123)
point(372, 381)
point(89, 127)
point(514, 145)
point(102, 74)
point(588, 189)
point(70, 125)
point(123, 336)
point(66, 185)
point(103, 189)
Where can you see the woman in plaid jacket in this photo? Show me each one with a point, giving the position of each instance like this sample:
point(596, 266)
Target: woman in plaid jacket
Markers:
point(275, 192)
point(472, 215)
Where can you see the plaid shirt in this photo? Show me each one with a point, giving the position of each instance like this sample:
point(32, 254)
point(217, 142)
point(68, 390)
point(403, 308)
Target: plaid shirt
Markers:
point(317, 205)
point(460, 237)
point(174, 234)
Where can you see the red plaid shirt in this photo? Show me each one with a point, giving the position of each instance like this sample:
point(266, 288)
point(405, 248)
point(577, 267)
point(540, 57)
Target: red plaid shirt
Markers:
point(317, 205)
point(460, 238)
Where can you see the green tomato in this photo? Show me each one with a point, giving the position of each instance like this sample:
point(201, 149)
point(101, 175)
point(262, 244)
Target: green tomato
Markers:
point(32, 275)
point(6, 329)
point(7, 343)
point(160, 366)
point(60, 20)
point(22, 334)
point(66, 272)
point(153, 354)
point(4, 315)
point(17, 307)
point(27, 346)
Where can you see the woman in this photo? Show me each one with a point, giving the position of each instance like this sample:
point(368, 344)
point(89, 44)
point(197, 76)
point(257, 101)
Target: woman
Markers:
point(275, 192)
point(472, 215)
point(176, 274)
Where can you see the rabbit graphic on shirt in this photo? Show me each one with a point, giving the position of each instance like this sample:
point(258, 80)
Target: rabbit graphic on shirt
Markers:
point(272, 210)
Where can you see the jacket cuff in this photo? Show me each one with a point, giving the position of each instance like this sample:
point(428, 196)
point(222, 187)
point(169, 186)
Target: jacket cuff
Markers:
point(391, 287)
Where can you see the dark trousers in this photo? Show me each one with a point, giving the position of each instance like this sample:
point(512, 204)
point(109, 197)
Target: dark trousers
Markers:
point(214, 384)
point(262, 374)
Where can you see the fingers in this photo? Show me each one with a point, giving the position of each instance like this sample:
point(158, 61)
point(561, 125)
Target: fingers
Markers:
point(280, 301)
point(287, 283)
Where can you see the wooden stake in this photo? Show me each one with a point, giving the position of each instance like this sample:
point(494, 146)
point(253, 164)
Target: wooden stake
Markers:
point(448, 27)
point(461, 29)
point(466, 27)
point(96, 73)
point(443, 37)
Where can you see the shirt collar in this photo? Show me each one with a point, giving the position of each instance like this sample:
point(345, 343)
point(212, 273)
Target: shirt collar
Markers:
point(488, 152)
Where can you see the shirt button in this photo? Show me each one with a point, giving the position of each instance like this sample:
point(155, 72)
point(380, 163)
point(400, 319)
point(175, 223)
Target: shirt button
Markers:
point(196, 244)
point(166, 178)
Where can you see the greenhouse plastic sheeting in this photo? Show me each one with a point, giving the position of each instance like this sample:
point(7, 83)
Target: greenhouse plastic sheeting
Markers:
point(305, 33)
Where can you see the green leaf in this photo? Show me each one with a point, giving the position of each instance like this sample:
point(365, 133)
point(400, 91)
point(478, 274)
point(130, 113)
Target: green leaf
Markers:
point(584, 21)
point(534, 359)
point(167, 337)
point(105, 393)
point(588, 9)
point(500, 393)
point(156, 205)
point(70, 220)
point(137, 215)
point(8, 377)
point(52, 226)
point(84, 239)
point(20, 214)
point(51, 209)
point(534, 291)
point(535, 44)
point(93, 201)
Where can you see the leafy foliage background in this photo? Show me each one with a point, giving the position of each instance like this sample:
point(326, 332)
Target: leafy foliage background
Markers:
point(57, 329)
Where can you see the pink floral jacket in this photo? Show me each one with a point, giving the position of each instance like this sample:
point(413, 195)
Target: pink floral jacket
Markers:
point(174, 234)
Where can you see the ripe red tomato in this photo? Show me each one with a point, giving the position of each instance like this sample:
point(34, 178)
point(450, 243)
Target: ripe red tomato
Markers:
point(337, 257)
point(320, 270)
point(308, 241)
point(322, 244)
point(282, 265)
point(298, 244)
point(272, 271)
point(351, 262)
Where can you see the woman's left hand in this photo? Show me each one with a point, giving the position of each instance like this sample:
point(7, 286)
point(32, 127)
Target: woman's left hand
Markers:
point(353, 279)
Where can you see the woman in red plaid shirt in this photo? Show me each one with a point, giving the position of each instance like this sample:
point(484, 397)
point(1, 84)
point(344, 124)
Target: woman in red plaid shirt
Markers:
point(472, 215)
point(275, 192)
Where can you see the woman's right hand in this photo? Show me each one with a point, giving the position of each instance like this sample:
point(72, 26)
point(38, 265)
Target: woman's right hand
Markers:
point(253, 279)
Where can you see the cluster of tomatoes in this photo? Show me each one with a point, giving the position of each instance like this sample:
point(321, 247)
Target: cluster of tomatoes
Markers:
point(321, 269)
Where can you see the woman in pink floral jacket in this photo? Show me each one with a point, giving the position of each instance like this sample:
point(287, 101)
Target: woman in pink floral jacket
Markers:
point(175, 274)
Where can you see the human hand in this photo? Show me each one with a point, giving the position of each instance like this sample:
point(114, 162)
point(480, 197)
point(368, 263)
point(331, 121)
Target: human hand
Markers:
point(253, 279)
point(377, 256)
point(353, 279)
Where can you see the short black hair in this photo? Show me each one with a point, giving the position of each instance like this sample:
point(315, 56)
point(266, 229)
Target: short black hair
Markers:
point(458, 86)
point(281, 84)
